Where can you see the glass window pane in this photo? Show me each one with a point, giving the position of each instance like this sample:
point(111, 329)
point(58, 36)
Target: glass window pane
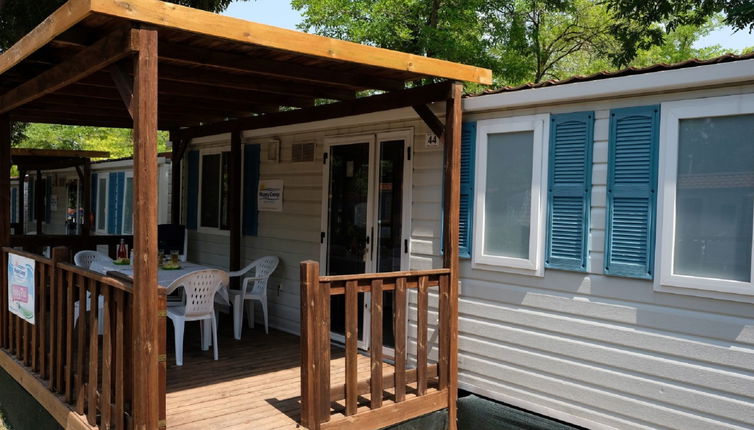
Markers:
point(210, 198)
point(715, 189)
point(507, 202)
point(225, 192)
point(101, 202)
point(128, 206)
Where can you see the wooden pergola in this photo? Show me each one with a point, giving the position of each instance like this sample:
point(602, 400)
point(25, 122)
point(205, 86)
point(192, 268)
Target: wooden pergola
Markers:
point(150, 65)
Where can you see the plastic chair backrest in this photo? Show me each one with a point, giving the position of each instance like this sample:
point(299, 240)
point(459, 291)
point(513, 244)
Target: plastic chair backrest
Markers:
point(86, 258)
point(200, 288)
point(263, 268)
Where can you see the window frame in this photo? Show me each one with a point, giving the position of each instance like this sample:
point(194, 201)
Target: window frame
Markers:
point(128, 174)
point(539, 125)
point(199, 227)
point(671, 114)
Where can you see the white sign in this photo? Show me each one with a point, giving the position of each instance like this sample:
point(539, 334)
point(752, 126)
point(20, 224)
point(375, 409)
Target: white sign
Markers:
point(431, 141)
point(21, 298)
point(270, 196)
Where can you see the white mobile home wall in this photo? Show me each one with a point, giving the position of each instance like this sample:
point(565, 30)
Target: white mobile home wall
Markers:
point(593, 350)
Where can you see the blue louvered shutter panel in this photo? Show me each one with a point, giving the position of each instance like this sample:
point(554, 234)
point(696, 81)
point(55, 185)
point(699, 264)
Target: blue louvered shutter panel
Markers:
point(48, 199)
point(119, 202)
point(112, 217)
point(192, 189)
point(30, 201)
point(465, 220)
point(92, 211)
point(250, 187)
point(631, 191)
point(569, 189)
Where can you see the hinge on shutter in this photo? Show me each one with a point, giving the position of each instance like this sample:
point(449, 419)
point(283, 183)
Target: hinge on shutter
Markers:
point(324, 159)
point(322, 237)
point(408, 152)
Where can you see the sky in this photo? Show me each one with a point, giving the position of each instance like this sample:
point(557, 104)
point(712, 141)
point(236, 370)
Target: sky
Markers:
point(280, 14)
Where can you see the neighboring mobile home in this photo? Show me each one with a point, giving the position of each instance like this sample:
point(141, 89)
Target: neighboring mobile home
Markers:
point(606, 236)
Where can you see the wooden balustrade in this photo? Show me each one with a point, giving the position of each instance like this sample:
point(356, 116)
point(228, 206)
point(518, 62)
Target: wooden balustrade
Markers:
point(80, 345)
point(401, 395)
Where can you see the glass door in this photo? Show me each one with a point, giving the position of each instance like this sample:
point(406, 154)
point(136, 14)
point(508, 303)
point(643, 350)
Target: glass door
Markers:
point(348, 222)
point(366, 228)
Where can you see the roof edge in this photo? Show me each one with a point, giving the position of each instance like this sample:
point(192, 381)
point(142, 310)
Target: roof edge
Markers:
point(728, 73)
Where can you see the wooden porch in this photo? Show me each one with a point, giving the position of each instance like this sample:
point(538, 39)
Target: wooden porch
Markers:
point(149, 65)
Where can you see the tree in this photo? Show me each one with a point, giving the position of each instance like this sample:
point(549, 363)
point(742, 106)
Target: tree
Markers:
point(641, 25)
point(117, 141)
point(18, 17)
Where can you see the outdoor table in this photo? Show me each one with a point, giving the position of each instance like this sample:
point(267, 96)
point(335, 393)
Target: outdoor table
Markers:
point(164, 277)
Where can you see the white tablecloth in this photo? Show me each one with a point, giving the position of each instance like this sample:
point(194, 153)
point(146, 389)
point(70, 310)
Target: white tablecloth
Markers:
point(164, 277)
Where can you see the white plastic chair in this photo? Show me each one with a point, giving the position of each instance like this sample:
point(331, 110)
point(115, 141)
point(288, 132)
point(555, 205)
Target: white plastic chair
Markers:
point(199, 290)
point(84, 259)
point(253, 288)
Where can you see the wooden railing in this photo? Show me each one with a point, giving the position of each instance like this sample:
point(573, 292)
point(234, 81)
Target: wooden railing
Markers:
point(80, 346)
point(398, 396)
point(37, 243)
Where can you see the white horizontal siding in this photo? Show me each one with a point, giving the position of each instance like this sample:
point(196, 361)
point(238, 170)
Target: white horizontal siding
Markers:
point(603, 352)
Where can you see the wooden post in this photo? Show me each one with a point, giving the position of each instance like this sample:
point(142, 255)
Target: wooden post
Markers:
point(5, 135)
point(310, 410)
point(452, 190)
point(234, 203)
point(175, 177)
point(146, 384)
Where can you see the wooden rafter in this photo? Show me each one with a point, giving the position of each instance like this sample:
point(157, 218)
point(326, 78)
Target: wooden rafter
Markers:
point(125, 85)
point(429, 118)
point(103, 53)
point(398, 99)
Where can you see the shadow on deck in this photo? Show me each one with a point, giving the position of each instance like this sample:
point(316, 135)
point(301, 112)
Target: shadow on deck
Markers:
point(254, 384)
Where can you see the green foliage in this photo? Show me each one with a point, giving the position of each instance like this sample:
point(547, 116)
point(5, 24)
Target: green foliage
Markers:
point(640, 24)
point(117, 141)
point(520, 40)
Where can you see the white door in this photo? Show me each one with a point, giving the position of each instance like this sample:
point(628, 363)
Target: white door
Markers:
point(366, 217)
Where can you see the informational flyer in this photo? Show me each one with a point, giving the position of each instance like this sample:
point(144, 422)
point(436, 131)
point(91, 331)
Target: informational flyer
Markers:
point(21, 298)
point(270, 197)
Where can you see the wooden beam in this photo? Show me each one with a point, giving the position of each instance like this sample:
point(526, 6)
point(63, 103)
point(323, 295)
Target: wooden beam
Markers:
point(429, 118)
point(5, 216)
point(223, 27)
point(66, 153)
point(146, 384)
point(61, 20)
point(39, 202)
point(452, 189)
point(125, 85)
point(193, 56)
point(387, 101)
point(235, 203)
point(109, 49)
point(236, 81)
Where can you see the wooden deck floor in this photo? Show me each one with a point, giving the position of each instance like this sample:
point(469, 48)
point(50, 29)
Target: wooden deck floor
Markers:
point(255, 383)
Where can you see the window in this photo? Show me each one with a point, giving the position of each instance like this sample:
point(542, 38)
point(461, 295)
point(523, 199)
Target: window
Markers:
point(214, 190)
point(128, 205)
point(509, 202)
point(707, 166)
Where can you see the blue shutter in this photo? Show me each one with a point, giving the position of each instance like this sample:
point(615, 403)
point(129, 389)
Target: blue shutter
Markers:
point(466, 218)
point(116, 182)
point(631, 192)
point(48, 199)
point(250, 186)
point(192, 190)
point(91, 212)
point(568, 191)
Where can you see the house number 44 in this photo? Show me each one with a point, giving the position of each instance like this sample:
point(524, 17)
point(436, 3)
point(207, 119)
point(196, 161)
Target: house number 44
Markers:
point(431, 141)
